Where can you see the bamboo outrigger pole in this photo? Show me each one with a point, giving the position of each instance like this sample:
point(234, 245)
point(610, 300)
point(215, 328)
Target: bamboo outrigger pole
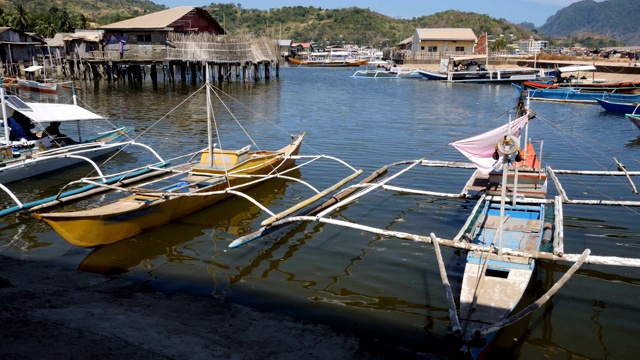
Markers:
point(624, 169)
point(453, 315)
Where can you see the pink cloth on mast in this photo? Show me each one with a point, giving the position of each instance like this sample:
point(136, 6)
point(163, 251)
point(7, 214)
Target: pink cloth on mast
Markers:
point(480, 148)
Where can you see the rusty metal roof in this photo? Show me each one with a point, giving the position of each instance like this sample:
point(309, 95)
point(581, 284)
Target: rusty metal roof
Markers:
point(164, 19)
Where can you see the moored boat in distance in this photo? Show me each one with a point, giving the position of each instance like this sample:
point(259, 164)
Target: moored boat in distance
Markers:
point(376, 74)
point(475, 69)
point(329, 59)
point(635, 119)
point(579, 80)
point(576, 95)
point(620, 107)
point(38, 86)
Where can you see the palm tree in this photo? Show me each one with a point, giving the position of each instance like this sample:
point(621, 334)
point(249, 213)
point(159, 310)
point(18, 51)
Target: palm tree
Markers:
point(21, 20)
point(65, 22)
point(499, 44)
point(47, 27)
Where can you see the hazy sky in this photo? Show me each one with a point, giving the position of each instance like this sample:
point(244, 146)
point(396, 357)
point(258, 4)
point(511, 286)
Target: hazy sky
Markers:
point(516, 11)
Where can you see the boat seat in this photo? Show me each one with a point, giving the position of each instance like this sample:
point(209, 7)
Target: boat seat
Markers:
point(224, 159)
point(197, 179)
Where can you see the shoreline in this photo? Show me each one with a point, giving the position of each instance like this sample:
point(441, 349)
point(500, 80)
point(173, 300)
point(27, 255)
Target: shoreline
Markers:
point(51, 312)
point(603, 76)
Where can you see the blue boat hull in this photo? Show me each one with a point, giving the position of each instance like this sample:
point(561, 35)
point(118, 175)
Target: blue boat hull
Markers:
point(626, 108)
point(574, 95)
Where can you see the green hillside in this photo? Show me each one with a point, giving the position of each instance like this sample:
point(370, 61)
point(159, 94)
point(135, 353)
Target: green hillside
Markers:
point(585, 23)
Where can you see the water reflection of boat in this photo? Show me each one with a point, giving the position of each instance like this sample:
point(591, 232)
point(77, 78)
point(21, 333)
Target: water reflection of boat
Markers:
point(513, 224)
point(229, 217)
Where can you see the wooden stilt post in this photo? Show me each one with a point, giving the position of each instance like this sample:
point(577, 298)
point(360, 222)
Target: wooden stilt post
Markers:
point(154, 76)
point(194, 73)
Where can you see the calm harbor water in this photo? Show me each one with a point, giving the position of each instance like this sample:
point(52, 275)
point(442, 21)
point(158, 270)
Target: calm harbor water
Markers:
point(381, 287)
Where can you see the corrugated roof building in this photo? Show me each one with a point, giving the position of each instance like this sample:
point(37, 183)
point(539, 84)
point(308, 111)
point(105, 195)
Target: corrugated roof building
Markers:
point(444, 40)
point(145, 37)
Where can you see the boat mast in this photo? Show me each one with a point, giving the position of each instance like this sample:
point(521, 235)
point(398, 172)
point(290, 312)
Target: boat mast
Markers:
point(486, 47)
point(4, 115)
point(503, 193)
point(209, 125)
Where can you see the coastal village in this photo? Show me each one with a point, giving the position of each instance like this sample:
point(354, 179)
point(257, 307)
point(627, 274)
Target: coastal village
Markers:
point(146, 234)
point(175, 40)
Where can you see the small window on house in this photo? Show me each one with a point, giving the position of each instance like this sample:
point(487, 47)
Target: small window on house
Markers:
point(422, 48)
point(432, 49)
point(459, 48)
point(144, 38)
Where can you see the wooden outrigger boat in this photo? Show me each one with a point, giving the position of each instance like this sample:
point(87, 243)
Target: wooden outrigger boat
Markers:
point(328, 59)
point(42, 86)
point(36, 155)
point(206, 184)
point(38, 86)
point(619, 107)
point(576, 95)
point(213, 177)
point(621, 87)
point(578, 80)
point(512, 225)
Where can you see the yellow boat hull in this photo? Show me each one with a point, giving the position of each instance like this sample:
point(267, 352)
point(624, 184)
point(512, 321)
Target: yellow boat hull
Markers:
point(141, 211)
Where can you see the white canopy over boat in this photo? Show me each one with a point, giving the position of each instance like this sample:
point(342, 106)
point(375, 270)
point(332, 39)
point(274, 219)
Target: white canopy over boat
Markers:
point(574, 68)
point(33, 68)
point(48, 112)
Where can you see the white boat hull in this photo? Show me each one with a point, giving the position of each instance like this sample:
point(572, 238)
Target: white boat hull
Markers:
point(37, 165)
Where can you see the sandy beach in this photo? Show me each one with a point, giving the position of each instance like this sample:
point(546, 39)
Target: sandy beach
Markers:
point(55, 313)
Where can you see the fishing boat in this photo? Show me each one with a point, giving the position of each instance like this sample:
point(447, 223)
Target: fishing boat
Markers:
point(635, 119)
point(376, 74)
point(513, 224)
point(329, 59)
point(33, 155)
point(576, 95)
point(622, 87)
point(38, 86)
point(42, 86)
point(577, 79)
point(620, 107)
point(213, 175)
point(476, 69)
point(218, 176)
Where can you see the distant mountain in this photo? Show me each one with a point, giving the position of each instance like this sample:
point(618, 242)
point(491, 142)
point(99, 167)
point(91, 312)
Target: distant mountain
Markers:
point(527, 25)
point(617, 19)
